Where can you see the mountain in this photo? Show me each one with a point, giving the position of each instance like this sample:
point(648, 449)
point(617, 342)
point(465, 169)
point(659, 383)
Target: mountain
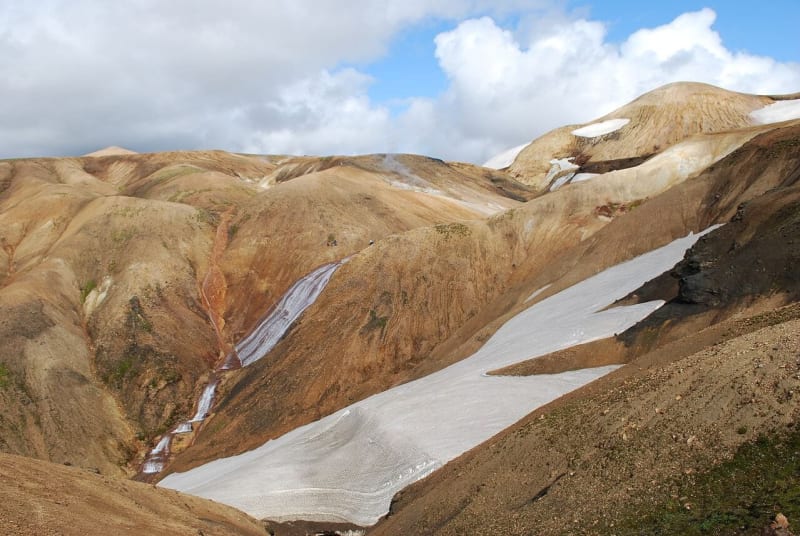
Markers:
point(350, 325)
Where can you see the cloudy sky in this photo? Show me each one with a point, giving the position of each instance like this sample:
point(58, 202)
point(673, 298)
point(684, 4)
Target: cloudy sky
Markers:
point(456, 79)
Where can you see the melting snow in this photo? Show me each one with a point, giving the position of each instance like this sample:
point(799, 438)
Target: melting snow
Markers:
point(296, 300)
point(561, 181)
point(536, 293)
point(263, 338)
point(155, 460)
point(557, 166)
point(184, 428)
point(347, 466)
point(601, 128)
point(777, 112)
point(504, 159)
point(97, 296)
point(584, 177)
point(206, 399)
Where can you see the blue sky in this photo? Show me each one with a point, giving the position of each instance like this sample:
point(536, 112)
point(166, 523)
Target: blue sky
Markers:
point(764, 28)
point(455, 79)
point(409, 67)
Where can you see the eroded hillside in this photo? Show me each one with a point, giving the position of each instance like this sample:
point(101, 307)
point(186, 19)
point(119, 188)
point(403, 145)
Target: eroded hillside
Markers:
point(127, 280)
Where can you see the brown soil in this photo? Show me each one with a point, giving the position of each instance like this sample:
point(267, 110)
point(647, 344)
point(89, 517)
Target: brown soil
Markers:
point(577, 464)
point(41, 498)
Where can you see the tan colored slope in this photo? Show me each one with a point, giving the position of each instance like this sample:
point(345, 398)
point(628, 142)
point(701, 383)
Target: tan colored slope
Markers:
point(658, 120)
point(111, 150)
point(618, 447)
point(383, 321)
point(41, 498)
point(104, 259)
point(348, 205)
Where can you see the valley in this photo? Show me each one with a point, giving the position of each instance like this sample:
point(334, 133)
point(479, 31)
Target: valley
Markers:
point(397, 344)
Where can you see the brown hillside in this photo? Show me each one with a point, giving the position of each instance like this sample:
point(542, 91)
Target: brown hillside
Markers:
point(381, 323)
point(658, 120)
point(611, 453)
point(124, 278)
point(41, 498)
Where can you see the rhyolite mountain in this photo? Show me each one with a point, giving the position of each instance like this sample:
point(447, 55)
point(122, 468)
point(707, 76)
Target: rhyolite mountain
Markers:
point(127, 280)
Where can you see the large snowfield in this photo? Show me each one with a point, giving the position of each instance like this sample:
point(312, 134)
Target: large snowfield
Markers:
point(347, 466)
point(504, 159)
point(777, 112)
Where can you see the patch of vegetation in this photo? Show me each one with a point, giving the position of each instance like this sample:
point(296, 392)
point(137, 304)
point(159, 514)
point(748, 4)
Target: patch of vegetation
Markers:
point(86, 288)
point(205, 216)
point(375, 321)
point(739, 496)
point(4, 376)
point(179, 196)
point(452, 229)
point(136, 318)
point(174, 171)
point(120, 236)
point(128, 212)
point(119, 373)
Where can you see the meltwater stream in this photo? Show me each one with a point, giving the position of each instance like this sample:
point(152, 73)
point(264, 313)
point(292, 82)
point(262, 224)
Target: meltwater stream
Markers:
point(348, 466)
point(296, 300)
point(253, 347)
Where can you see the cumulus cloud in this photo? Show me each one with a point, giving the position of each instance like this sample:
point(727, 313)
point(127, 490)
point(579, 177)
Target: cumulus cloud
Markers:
point(506, 88)
point(155, 75)
point(269, 77)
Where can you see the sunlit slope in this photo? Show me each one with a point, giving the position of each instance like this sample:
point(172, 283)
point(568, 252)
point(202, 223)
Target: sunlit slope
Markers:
point(645, 127)
point(115, 271)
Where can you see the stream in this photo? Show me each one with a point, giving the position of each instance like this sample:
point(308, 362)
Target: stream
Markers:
point(258, 343)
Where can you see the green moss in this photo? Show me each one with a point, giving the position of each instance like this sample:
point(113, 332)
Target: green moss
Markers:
point(452, 229)
point(120, 236)
point(205, 216)
point(375, 321)
point(4, 376)
point(121, 370)
point(739, 496)
point(86, 288)
point(172, 172)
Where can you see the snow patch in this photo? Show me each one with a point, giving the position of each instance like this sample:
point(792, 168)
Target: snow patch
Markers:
point(564, 179)
point(97, 296)
point(206, 399)
point(557, 167)
point(296, 300)
point(506, 158)
point(349, 465)
point(536, 293)
point(184, 428)
point(157, 457)
point(601, 128)
point(584, 177)
point(776, 112)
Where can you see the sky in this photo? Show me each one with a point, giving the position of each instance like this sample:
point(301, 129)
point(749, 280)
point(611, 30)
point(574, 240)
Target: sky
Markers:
point(455, 79)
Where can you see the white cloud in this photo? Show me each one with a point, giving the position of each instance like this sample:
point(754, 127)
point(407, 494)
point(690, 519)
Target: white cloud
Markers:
point(267, 76)
point(507, 89)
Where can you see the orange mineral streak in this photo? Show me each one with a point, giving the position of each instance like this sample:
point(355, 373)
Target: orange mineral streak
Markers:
point(214, 286)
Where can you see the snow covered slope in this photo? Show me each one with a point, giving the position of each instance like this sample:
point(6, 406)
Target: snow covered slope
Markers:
point(348, 465)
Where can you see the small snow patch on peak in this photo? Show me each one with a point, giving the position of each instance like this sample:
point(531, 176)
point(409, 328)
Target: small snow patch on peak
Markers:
point(601, 128)
point(504, 159)
point(113, 150)
point(777, 112)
